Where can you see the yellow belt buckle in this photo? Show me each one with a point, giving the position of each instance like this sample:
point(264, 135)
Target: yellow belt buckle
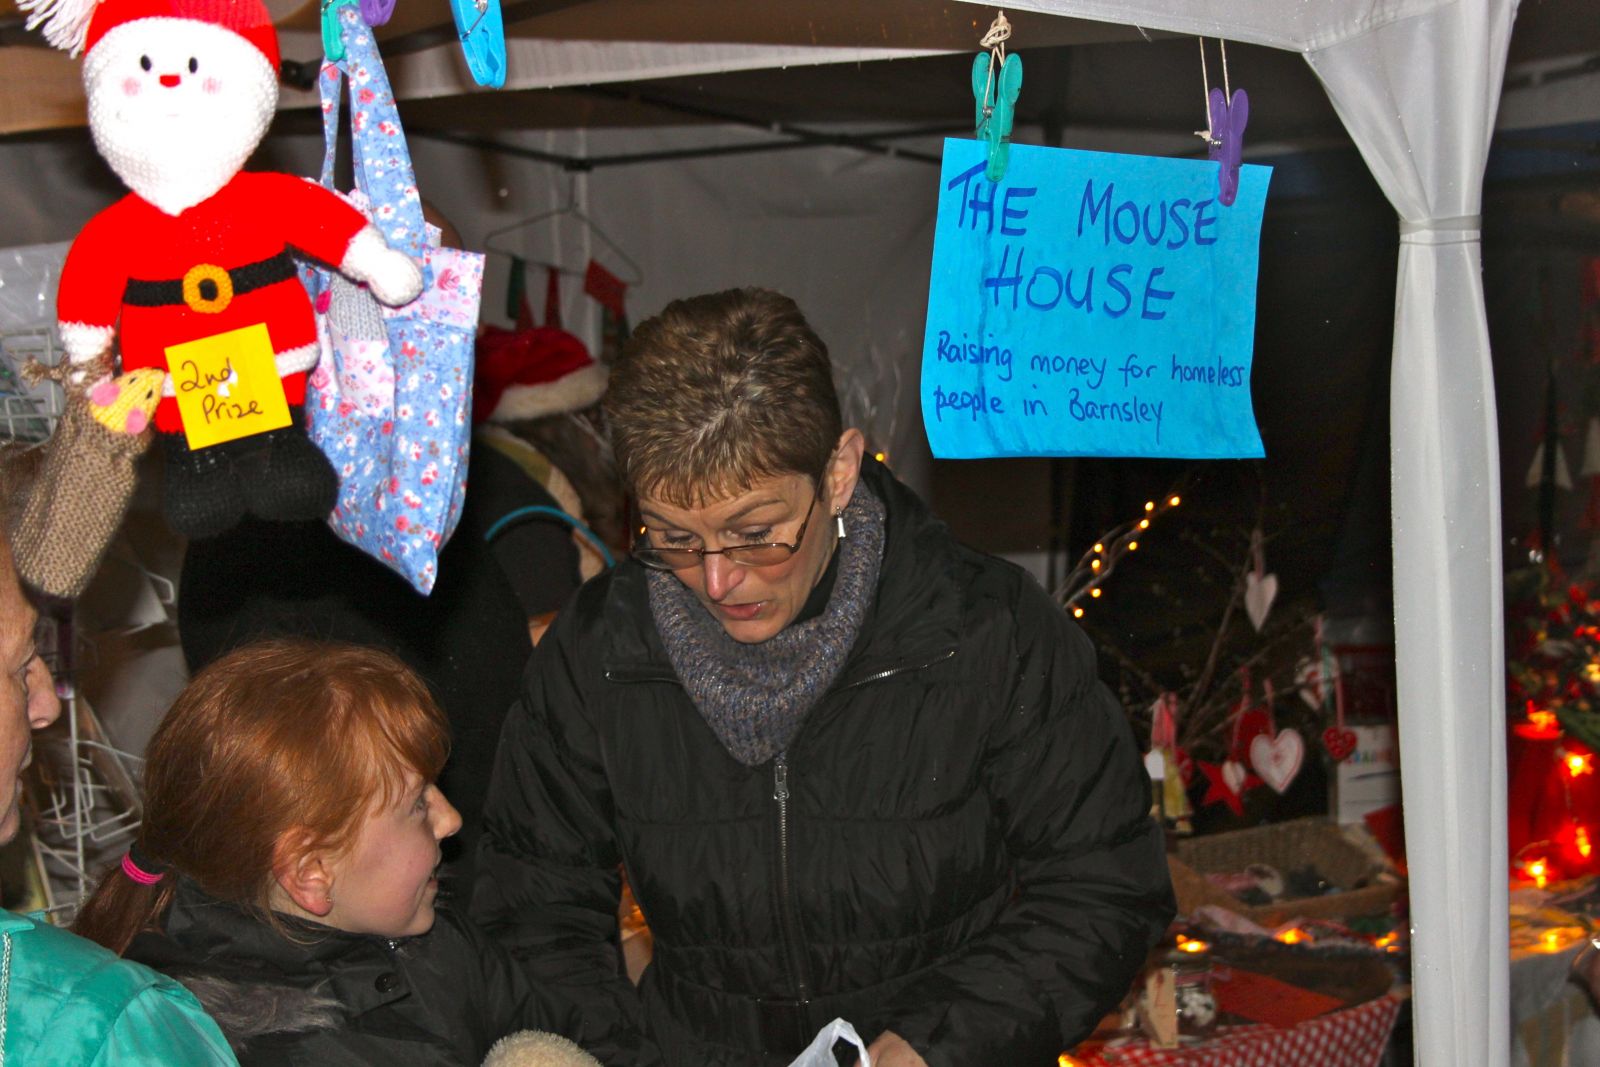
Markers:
point(220, 281)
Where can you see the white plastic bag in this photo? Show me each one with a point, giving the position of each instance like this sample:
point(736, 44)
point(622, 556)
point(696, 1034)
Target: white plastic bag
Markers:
point(820, 1052)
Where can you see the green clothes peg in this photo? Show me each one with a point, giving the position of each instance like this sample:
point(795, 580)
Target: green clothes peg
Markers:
point(997, 104)
point(332, 46)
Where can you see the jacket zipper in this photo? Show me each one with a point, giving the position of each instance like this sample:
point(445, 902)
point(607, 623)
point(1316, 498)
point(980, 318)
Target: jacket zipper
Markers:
point(791, 929)
point(780, 794)
point(623, 677)
point(903, 669)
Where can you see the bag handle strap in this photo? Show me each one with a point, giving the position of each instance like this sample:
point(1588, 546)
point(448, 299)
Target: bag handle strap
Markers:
point(330, 86)
point(517, 516)
point(381, 160)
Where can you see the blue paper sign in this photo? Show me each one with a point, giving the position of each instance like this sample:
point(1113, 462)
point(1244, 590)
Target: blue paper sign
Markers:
point(1091, 304)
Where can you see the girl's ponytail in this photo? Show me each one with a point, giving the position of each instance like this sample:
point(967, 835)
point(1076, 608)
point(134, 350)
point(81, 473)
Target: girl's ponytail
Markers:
point(130, 898)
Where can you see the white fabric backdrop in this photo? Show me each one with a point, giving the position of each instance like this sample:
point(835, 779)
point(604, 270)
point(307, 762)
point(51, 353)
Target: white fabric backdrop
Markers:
point(853, 233)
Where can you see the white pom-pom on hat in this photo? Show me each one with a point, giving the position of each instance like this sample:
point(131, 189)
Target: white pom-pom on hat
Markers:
point(65, 22)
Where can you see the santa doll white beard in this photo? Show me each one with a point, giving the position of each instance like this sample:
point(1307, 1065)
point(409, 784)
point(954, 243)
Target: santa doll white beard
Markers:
point(176, 172)
point(176, 147)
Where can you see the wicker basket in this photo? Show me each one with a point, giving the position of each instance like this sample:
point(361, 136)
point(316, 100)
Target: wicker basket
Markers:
point(1286, 846)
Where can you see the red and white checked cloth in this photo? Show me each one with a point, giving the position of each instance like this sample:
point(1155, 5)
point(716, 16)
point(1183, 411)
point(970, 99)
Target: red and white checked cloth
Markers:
point(1354, 1037)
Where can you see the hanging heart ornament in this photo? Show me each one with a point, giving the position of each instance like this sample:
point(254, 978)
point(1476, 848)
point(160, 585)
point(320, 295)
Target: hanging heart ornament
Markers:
point(1308, 681)
point(1234, 774)
point(1260, 588)
point(1277, 759)
point(1339, 742)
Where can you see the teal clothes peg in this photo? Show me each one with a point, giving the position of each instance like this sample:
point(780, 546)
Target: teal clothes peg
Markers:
point(483, 40)
point(994, 128)
point(332, 45)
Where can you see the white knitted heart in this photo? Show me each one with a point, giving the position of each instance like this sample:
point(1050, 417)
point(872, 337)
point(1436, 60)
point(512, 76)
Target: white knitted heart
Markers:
point(1260, 590)
point(1277, 759)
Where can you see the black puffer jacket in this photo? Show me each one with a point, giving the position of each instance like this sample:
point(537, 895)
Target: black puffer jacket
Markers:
point(964, 854)
point(324, 998)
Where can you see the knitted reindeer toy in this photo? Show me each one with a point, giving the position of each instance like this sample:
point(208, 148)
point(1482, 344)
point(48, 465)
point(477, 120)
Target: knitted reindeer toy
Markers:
point(191, 271)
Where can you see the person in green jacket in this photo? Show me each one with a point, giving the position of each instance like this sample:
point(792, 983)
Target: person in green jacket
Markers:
point(64, 1001)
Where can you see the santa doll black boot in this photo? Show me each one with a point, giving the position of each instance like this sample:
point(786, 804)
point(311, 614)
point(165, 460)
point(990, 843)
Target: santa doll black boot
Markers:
point(286, 478)
point(201, 496)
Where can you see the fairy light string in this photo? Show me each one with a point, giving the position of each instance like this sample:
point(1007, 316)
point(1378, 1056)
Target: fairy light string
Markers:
point(1086, 579)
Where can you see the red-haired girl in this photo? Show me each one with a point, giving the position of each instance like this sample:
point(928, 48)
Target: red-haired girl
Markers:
point(286, 866)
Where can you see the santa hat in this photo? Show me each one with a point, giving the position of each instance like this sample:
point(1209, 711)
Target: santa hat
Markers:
point(527, 374)
point(79, 25)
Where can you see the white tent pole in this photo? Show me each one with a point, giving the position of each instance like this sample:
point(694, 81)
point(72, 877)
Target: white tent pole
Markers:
point(1419, 96)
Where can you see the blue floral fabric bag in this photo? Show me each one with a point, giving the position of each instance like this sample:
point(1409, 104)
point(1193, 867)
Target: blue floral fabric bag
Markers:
point(390, 402)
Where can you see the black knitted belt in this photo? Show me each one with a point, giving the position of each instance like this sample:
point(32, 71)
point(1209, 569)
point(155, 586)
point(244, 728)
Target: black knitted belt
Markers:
point(208, 288)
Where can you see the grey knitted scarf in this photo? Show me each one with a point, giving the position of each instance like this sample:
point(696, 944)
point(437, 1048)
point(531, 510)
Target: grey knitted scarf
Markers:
point(754, 696)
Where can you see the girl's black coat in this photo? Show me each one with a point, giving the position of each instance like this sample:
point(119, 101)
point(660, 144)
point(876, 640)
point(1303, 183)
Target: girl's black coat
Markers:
point(965, 856)
point(325, 998)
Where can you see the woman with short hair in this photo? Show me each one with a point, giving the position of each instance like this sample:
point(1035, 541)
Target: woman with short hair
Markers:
point(850, 767)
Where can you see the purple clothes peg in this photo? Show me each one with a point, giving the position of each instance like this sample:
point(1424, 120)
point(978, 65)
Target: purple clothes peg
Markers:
point(377, 12)
point(1227, 136)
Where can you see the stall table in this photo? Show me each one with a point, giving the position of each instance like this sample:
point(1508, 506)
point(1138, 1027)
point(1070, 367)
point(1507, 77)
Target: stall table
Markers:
point(1553, 1022)
point(1352, 1037)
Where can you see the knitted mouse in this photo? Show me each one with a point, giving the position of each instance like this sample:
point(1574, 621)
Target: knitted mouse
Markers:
point(84, 482)
point(180, 92)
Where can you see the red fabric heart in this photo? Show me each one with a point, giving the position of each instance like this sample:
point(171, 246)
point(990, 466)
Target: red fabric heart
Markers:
point(1339, 743)
point(1250, 723)
point(1222, 791)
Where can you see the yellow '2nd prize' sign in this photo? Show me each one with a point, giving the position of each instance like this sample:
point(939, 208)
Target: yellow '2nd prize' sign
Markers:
point(227, 386)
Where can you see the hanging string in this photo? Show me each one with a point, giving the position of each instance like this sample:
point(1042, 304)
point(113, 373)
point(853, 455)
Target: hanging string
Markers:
point(1208, 135)
point(999, 33)
point(995, 41)
point(1205, 98)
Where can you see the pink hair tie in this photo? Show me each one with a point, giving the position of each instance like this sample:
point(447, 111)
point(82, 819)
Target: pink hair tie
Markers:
point(131, 869)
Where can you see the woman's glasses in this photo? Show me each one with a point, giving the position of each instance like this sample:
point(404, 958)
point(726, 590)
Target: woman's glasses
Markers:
point(683, 559)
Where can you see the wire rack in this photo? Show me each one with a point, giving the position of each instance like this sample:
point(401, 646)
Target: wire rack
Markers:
point(28, 414)
point(84, 791)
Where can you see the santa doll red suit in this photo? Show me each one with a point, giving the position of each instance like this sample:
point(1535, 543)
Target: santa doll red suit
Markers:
point(180, 93)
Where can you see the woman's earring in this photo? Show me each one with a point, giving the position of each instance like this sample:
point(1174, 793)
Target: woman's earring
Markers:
point(838, 521)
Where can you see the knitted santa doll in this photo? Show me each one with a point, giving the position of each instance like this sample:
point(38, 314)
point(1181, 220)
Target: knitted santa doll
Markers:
point(180, 92)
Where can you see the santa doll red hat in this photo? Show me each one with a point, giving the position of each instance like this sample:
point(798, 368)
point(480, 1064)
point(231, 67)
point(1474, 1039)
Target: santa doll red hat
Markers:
point(180, 93)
